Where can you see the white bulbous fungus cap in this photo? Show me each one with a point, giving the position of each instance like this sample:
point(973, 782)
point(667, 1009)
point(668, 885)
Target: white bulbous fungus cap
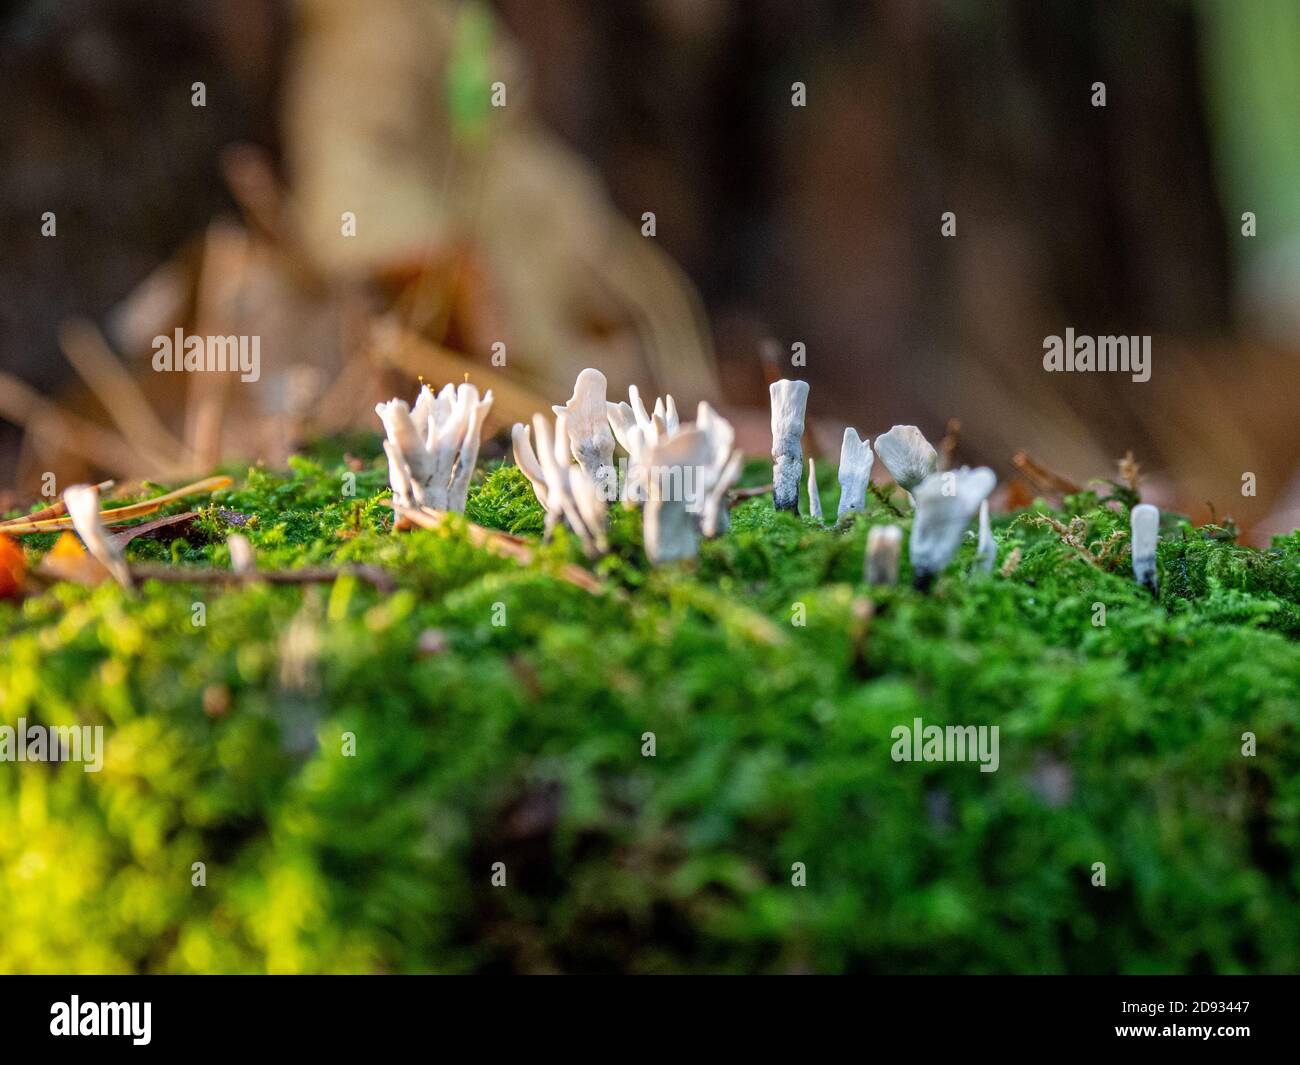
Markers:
point(908, 455)
point(945, 504)
point(789, 400)
point(82, 503)
point(855, 472)
point(986, 552)
point(814, 496)
point(884, 545)
point(1144, 526)
point(589, 435)
point(432, 449)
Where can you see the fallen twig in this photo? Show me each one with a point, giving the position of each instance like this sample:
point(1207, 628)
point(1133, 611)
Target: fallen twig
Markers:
point(739, 495)
point(119, 514)
point(1041, 477)
point(376, 576)
point(503, 543)
point(54, 510)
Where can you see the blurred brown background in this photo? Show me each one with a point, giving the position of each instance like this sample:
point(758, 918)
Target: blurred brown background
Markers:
point(775, 224)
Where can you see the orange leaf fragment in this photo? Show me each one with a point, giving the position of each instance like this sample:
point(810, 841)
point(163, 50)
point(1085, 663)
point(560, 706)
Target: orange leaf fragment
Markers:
point(13, 568)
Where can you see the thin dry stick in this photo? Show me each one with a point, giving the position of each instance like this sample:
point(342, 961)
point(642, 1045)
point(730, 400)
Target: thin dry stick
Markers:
point(119, 514)
point(503, 543)
point(23, 405)
point(948, 445)
point(102, 371)
point(416, 356)
point(1041, 477)
point(739, 495)
point(54, 510)
point(380, 578)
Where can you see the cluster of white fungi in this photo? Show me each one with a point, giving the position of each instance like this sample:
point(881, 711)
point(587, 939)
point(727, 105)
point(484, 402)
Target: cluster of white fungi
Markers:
point(679, 474)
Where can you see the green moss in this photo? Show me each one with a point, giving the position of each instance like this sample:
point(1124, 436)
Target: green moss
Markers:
point(521, 742)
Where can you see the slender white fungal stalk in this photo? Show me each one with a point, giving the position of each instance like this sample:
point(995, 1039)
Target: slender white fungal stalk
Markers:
point(945, 504)
point(590, 439)
point(1144, 526)
point(432, 449)
point(82, 503)
point(672, 531)
point(814, 496)
point(908, 455)
point(242, 559)
point(565, 491)
point(986, 552)
point(789, 400)
point(721, 472)
point(636, 431)
point(884, 544)
point(526, 460)
point(855, 472)
point(398, 478)
point(717, 517)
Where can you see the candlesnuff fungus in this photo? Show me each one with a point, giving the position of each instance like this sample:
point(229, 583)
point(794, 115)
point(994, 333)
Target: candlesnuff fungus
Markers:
point(814, 496)
point(636, 431)
point(883, 545)
point(242, 559)
point(907, 455)
point(855, 472)
point(722, 471)
point(432, 449)
point(589, 435)
point(986, 551)
point(1144, 526)
point(789, 398)
point(674, 465)
point(945, 504)
point(82, 503)
point(564, 490)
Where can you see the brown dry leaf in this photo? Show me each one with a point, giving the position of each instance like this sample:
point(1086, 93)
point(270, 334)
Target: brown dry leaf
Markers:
point(162, 529)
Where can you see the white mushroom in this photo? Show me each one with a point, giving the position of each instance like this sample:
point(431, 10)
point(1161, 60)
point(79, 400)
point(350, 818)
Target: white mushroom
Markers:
point(721, 472)
point(814, 496)
point(82, 503)
point(432, 449)
point(674, 465)
point(908, 455)
point(789, 399)
point(589, 436)
point(526, 460)
point(884, 543)
point(565, 491)
point(855, 472)
point(945, 504)
point(986, 551)
point(1144, 526)
point(242, 559)
point(635, 430)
